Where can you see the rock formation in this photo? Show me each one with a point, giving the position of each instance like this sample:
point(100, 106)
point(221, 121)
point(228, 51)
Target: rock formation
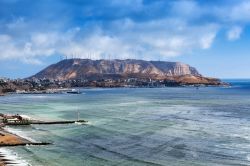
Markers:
point(111, 69)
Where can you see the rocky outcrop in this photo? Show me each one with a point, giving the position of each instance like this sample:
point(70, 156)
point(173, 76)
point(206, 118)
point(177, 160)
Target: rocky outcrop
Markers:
point(97, 69)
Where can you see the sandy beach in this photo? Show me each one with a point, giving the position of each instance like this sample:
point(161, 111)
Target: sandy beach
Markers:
point(9, 139)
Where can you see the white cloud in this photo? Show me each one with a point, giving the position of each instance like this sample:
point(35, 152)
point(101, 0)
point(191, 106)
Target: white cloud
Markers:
point(147, 40)
point(234, 33)
point(184, 29)
point(4, 38)
point(32, 61)
point(172, 37)
point(26, 51)
point(207, 40)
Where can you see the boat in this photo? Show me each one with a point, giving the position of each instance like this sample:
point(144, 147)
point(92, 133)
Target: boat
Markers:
point(74, 91)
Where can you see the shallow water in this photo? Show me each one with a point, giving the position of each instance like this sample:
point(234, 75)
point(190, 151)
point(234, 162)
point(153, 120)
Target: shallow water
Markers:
point(165, 126)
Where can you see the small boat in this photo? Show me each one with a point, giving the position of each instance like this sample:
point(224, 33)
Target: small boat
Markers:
point(74, 91)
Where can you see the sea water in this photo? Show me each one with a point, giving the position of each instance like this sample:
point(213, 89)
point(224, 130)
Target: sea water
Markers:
point(137, 126)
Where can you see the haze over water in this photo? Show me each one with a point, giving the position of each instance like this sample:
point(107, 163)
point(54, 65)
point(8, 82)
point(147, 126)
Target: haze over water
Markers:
point(156, 126)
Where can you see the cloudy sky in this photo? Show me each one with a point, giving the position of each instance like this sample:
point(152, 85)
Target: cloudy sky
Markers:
point(211, 35)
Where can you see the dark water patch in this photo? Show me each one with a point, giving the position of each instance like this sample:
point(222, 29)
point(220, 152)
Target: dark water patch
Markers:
point(35, 157)
point(176, 153)
point(123, 156)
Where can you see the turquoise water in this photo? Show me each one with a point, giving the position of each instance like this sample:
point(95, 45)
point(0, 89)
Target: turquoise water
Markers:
point(158, 126)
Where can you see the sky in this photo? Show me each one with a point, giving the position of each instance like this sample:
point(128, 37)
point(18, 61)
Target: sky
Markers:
point(210, 35)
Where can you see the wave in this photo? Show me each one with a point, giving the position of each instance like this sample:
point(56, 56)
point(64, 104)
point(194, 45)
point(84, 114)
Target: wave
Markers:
point(19, 133)
point(12, 158)
point(124, 156)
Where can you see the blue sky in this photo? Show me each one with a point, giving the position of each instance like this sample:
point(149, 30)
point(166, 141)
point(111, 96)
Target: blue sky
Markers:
point(213, 36)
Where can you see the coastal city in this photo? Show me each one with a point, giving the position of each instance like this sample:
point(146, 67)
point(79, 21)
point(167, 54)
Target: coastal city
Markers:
point(124, 83)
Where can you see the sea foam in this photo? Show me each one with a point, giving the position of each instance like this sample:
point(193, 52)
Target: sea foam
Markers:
point(19, 133)
point(13, 158)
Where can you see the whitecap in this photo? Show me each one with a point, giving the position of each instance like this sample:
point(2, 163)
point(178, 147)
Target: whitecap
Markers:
point(19, 133)
point(13, 157)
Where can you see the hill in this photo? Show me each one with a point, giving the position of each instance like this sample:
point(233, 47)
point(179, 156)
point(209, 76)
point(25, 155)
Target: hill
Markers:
point(91, 70)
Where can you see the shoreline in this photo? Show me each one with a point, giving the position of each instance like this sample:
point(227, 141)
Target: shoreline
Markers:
point(10, 157)
point(9, 139)
point(65, 90)
point(6, 139)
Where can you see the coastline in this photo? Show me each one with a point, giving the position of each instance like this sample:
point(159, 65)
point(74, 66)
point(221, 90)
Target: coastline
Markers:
point(52, 86)
point(10, 139)
point(70, 89)
point(7, 138)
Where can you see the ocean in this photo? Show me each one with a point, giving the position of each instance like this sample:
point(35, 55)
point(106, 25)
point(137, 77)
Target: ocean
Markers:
point(175, 126)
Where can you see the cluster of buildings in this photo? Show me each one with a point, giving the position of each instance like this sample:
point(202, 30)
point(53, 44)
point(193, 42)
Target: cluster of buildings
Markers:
point(48, 85)
point(14, 120)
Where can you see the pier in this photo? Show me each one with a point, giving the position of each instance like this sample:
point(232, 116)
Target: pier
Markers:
point(45, 122)
point(25, 144)
point(20, 120)
point(59, 122)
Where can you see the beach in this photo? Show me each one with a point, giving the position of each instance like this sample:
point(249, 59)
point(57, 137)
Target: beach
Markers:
point(9, 139)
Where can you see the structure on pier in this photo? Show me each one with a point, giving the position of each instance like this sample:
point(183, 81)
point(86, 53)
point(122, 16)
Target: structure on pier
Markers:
point(25, 120)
